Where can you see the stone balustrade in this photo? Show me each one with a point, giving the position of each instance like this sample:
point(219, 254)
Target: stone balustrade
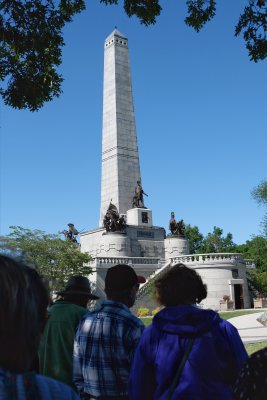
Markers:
point(249, 263)
point(203, 259)
point(209, 259)
point(104, 261)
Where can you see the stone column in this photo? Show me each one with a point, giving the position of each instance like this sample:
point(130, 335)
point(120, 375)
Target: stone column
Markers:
point(120, 160)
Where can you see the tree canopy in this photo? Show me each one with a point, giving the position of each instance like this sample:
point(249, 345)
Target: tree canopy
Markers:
point(259, 193)
point(194, 237)
point(213, 242)
point(32, 39)
point(54, 258)
point(30, 49)
point(256, 249)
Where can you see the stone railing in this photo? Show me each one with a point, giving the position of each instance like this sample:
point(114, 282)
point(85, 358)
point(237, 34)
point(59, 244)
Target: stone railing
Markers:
point(249, 263)
point(209, 259)
point(102, 261)
point(98, 290)
point(145, 288)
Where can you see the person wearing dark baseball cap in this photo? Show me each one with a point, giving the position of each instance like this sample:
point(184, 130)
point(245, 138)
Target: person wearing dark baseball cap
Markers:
point(120, 279)
point(106, 339)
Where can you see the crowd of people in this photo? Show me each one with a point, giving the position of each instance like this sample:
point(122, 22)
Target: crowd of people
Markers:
point(63, 351)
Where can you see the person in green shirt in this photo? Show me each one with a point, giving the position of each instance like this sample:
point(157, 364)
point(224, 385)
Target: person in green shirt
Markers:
point(56, 347)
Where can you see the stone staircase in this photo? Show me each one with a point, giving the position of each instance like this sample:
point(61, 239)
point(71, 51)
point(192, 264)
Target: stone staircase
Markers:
point(144, 296)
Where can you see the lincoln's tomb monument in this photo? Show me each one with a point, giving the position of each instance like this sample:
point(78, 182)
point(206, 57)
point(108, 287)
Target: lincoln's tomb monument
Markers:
point(127, 233)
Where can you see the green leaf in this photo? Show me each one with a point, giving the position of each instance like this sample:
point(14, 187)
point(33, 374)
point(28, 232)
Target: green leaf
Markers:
point(54, 258)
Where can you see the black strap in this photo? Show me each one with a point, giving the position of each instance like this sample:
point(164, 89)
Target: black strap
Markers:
point(180, 368)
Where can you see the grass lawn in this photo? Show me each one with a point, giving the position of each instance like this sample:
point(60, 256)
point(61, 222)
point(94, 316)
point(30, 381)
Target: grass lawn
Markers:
point(250, 347)
point(237, 313)
point(147, 320)
point(225, 315)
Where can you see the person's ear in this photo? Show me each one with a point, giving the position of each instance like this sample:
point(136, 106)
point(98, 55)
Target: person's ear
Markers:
point(132, 293)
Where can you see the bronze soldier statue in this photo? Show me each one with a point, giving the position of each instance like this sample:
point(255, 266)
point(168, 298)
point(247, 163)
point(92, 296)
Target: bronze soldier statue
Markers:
point(172, 224)
point(71, 234)
point(138, 199)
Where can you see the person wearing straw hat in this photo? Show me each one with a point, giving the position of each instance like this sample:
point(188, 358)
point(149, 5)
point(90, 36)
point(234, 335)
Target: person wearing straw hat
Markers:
point(56, 348)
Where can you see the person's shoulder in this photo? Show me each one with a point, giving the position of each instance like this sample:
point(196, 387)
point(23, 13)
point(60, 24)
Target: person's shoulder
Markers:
point(126, 315)
point(226, 325)
point(66, 310)
point(88, 315)
point(55, 389)
point(59, 306)
point(76, 308)
point(121, 313)
point(136, 321)
point(251, 382)
point(259, 358)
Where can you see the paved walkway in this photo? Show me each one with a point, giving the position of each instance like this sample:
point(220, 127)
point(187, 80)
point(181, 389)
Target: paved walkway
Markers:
point(250, 330)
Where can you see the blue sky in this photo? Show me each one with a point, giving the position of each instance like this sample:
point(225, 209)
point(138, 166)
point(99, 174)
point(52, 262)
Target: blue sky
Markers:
point(201, 123)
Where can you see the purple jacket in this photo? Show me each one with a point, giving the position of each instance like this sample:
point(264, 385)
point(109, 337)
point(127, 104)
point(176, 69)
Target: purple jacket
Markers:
point(213, 364)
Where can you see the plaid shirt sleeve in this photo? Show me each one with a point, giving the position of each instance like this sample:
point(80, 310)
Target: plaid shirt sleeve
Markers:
point(134, 339)
point(77, 362)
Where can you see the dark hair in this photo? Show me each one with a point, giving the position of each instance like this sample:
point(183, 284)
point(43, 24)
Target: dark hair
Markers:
point(121, 277)
point(180, 285)
point(118, 295)
point(23, 307)
point(119, 282)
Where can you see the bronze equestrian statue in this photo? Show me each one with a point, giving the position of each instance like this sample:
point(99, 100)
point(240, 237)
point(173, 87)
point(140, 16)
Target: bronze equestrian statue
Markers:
point(176, 228)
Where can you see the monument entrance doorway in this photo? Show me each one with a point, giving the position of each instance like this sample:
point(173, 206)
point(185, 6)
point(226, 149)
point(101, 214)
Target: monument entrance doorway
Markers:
point(239, 299)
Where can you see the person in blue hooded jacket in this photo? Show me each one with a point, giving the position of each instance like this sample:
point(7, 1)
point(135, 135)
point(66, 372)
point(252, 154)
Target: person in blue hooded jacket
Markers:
point(207, 349)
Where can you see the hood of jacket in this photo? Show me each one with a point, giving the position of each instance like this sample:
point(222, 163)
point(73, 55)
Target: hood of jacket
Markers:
point(185, 320)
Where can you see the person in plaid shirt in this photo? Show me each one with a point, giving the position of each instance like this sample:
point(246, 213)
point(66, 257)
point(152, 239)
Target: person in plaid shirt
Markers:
point(106, 339)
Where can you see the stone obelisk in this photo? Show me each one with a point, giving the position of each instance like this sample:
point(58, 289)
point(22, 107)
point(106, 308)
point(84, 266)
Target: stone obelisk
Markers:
point(120, 160)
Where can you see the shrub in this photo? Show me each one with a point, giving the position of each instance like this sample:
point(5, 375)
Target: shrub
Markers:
point(155, 311)
point(143, 312)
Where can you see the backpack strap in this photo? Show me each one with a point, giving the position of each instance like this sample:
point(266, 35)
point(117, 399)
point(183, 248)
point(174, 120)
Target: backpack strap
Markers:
point(180, 368)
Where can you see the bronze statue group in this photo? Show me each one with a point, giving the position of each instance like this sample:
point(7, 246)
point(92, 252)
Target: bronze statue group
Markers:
point(113, 221)
point(63, 351)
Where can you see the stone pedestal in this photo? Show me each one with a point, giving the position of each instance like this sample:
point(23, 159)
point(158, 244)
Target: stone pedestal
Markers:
point(139, 217)
point(114, 244)
point(260, 303)
point(226, 305)
point(175, 246)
